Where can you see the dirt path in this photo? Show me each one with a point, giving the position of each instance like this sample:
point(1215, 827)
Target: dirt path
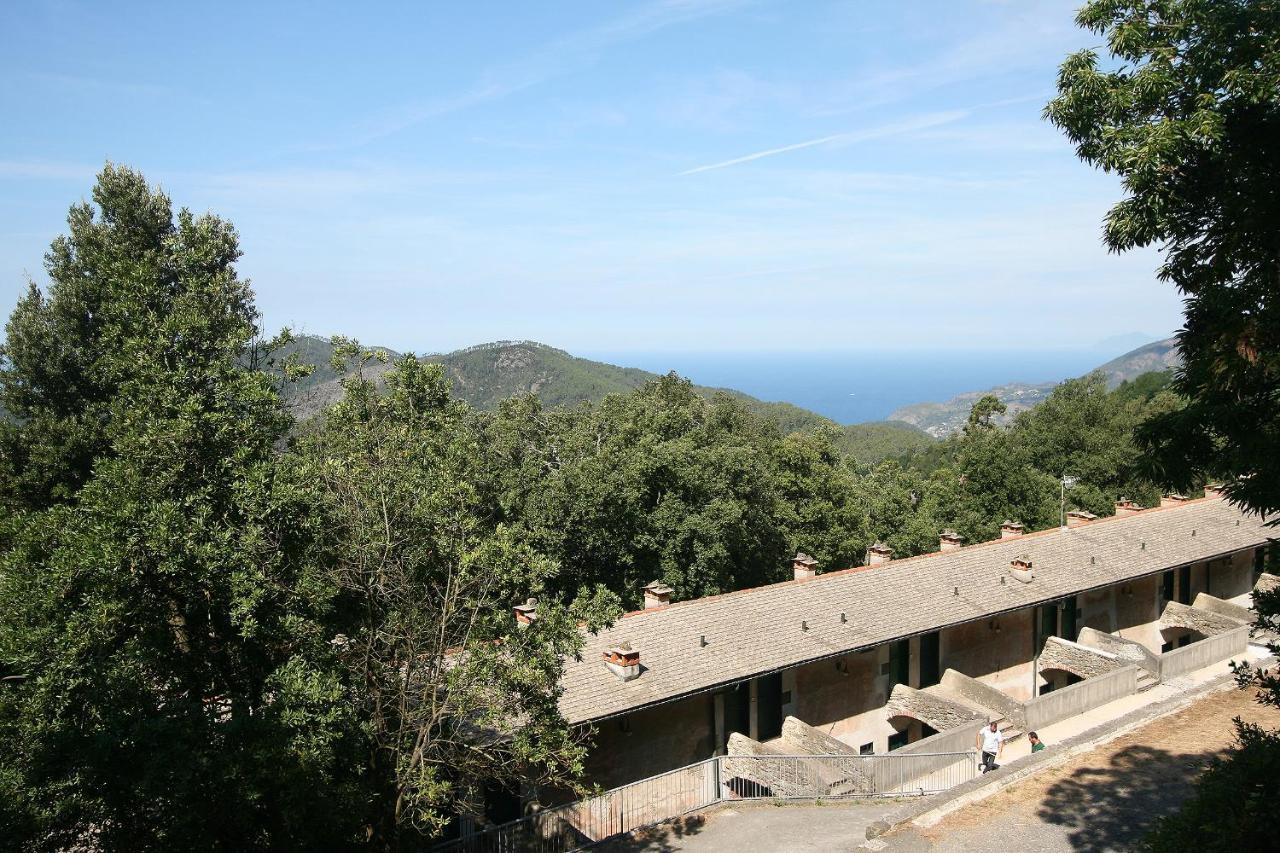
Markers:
point(1103, 799)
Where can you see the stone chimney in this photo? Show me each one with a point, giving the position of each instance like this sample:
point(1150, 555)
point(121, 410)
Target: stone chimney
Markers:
point(1124, 507)
point(949, 540)
point(623, 661)
point(1021, 569)
point(1078, 517)
point(1213, 490)
point(878, 554)
point(1012, 529)
point(527, 613)
point(803, 566)
point(656, 594)
point(1173, 500)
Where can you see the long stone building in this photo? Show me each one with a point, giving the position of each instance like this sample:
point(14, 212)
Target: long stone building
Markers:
point(918, 653)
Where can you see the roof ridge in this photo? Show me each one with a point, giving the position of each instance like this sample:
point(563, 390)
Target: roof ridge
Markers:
point(1146, 511)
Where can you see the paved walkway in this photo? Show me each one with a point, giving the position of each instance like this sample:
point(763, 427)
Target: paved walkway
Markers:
point(1099, 800)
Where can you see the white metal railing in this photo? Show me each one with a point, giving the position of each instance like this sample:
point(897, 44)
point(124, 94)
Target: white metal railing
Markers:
point(736, 777)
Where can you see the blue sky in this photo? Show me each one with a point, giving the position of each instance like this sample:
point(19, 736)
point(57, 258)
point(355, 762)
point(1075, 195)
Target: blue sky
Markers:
point(602, 176)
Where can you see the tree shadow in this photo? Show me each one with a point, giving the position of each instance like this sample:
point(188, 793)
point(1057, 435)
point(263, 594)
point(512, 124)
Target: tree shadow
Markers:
point(1112, 807)
point(656, 839)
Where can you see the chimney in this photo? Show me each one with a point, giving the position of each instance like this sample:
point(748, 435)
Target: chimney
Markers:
point(1172, 500)
point(1124, 507)
point(1012, 529)
point(879, 554)
point(527, 613)
point(656, 594)
point(949, 540)
point(803, 566)
point(1020, 568)
point(623, 661)
point(1213, 490)
point(1079, 517)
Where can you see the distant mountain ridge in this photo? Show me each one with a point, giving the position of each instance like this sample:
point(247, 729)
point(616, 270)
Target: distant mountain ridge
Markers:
point(485, 374)
point(942, 419)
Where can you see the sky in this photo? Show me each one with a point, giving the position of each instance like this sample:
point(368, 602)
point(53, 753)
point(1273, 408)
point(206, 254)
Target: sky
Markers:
point(683, 175)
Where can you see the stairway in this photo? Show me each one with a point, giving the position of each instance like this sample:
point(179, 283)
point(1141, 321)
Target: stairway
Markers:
point(1146, 680)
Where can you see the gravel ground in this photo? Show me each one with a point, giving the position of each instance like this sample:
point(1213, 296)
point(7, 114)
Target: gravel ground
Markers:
point(1101, 800)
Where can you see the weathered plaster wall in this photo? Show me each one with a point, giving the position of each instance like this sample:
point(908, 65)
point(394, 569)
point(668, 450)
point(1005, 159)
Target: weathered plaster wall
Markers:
point(660, 739)
point(1098, 610)
point(846, 706)
point(1001, 658)
point(1232, 579)
point(1138, 612)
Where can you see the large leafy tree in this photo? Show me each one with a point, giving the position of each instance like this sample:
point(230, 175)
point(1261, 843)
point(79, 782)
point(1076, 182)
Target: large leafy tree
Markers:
point(454, 695)
point(169, 683)
point(1187, 112)
point(664, 484)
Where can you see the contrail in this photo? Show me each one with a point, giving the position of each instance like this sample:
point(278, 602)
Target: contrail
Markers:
point(917, 123)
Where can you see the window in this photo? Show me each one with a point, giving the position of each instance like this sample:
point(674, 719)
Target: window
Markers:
point(867, 749)
point(897, 740)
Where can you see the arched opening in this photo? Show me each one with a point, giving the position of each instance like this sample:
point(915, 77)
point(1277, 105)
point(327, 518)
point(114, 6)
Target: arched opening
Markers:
point(908, 729)
point(1056, 678)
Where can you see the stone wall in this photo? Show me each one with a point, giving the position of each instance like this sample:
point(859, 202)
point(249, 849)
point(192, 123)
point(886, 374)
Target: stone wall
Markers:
point(800, 738)
point(1076, 659)
point(934, 711)
point(1082, 697)
point(1126, 650)
point(1213, 604)
point(985, 695)
point(1178, 615)
point(1215, 649)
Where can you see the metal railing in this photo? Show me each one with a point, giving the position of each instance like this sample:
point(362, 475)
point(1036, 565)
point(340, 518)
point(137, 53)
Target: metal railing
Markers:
point(734, 777)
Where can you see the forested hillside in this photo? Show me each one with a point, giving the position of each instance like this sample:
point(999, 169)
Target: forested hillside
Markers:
point(485, 375)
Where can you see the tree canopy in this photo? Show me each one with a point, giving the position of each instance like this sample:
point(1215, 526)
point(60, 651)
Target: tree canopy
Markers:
point(1185, 110)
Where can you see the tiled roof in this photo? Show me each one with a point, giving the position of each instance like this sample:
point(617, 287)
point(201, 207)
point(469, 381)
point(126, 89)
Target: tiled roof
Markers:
point(757, 631)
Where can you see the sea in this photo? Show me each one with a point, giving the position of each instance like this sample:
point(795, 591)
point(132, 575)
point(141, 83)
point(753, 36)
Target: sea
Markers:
point(857, 386)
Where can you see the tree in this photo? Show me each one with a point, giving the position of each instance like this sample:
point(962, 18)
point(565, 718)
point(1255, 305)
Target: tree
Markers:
point(172, 684)
point(1187, 114)
point(453, 694)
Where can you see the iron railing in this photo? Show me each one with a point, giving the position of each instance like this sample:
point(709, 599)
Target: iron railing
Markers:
point(737, 777)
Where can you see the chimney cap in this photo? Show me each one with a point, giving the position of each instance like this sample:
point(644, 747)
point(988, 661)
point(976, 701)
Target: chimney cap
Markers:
point(529, 606)
point(951, 534)
point(657, 587)
point(1021, 562)
point(804, 559)
point(1082, 514)
point(880, 548)
point(1012, 525)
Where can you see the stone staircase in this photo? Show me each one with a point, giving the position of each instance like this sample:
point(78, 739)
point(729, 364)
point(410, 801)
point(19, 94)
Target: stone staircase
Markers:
point(1146, 680)
point(1003, 725)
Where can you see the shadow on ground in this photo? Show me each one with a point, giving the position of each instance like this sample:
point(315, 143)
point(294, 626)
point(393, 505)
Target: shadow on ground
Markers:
point(656, 839)
point(1111, 807)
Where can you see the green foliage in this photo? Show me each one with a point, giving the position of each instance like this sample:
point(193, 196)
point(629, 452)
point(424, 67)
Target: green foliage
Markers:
point(665, 484)
point(427, 582)
point(1186, 114)
point(874, 442)
point(171, 685)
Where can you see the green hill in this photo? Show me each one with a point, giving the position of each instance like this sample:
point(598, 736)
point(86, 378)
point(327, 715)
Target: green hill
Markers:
point(486, 374)
point(942, 419)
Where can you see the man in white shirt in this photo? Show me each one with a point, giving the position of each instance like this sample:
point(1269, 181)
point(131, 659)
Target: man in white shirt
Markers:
point(991, 742)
